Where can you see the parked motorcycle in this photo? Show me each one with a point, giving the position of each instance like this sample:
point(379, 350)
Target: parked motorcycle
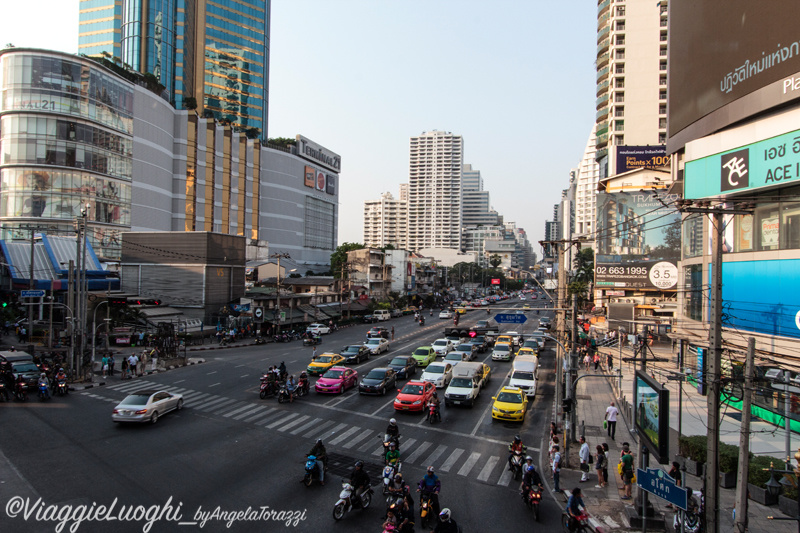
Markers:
point(516, 464)
point(532, 498)
point(348, 502)
point(268, 388)
point(312, 470)
point(21, 392)
point(260, 340)
point(691, 518)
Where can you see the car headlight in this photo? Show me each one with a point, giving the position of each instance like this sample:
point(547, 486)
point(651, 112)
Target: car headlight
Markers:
point(495, 409)
point(417, 402)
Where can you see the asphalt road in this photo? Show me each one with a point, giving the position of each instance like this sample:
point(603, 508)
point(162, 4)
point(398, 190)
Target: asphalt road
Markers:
point(230, 452)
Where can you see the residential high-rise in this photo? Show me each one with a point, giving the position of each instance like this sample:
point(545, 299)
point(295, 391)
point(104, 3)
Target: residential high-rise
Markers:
point(385, 222)
point(586, 192)
point(631, 77)
point(475, 207)
point(434, 192)
point(216, 52)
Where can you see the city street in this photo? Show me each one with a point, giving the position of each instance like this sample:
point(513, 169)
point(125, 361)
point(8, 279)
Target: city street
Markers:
point(229, 450)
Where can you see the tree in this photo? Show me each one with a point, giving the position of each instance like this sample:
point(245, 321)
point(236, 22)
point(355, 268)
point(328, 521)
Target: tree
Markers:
point(190, 103)
point(252, 133)
point(282, 141)
point(581, 288)
point(495, 260)
point(671, 249)
point(584, 265)
point(339, 257)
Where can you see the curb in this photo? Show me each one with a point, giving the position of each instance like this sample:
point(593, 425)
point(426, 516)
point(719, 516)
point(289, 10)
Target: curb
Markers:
point(148, 373)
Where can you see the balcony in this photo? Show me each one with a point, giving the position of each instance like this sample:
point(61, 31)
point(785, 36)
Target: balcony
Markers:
point(602, 88)
point(602, 60)
point(602, 129)
point(602, 46)
point(602, 114)
point(601, 101)
point(602, 7)
point(603, 33)
point(602, 74)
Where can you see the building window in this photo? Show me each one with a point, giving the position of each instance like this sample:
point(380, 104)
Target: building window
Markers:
point(693, 295)
point(662, 109)
point(619, 98)
point(619, 111)
point(619, 68)
point(619, 83)
point(319, 224)
point(662, 138)
point(620, 40)
point(620, 11)
point(692, 236)
point(620, 25)
point(620, 54)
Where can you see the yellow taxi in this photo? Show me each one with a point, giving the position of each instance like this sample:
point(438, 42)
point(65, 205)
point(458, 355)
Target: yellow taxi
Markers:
point(504, 339)
point(321, 363)
point(460, 310)
point(526, 350)
point(510, 404)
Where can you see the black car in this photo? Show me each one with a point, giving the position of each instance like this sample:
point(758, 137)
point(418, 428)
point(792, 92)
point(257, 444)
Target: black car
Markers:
point(370, 319)
point(404, 366)
point(480, 342)
point(378, 381)
point(355, 353)
point(377, 331)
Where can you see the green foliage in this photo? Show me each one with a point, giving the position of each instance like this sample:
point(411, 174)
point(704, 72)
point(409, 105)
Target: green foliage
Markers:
point(759, 469)
point(190, 103)
point(252, 133)
point(584, 265)
point(693, 447)
point(339, 257)
point(295, 275)
point(282, 141)
point(728, 458)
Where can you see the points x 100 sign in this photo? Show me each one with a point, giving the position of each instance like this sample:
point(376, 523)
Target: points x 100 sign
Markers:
point(662, 275)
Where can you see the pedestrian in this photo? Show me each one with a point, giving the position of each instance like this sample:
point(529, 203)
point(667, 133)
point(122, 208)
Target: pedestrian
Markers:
point(611, 420)
point(556, 468)
point(584, 455)
point(586, 361)
point(111, 364)
point(392, 332)
point(553, 448)
point(675, 473)
point(124, 368)
point(314, 353)
point(104, 365)
point(609, 362)
point(600, 466)
point(154, 359)
point(596, 360)
point(627, 470)
point(133, 361)
point(142, 364)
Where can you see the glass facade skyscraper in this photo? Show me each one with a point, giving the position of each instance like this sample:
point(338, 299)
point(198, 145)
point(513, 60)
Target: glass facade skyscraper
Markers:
point(215, 51)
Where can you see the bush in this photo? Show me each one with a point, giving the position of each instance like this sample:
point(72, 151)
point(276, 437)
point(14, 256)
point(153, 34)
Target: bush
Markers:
point(694, 447)
point(729, 458)
point(759, 469)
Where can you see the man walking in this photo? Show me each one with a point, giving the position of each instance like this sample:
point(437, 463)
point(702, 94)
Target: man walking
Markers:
point(611, 418)
point(392, 332)
point(556, 468)
point(584, 455)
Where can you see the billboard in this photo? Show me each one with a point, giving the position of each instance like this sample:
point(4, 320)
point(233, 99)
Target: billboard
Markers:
point(636, 157)
point(310, 176)
point(495, 281)
point(731, 62)
point(638, 243)
point(651, 415)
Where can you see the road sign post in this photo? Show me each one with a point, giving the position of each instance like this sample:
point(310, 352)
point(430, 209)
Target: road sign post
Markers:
point(509, 318)
point(31, 294)
point(258, 315)
point(659, 483)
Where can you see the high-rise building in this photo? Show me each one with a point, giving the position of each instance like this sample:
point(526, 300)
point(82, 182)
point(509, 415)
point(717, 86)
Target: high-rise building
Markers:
point(631, 77)
point(475, 206)
point(216, 52)
point(586, 192)
point(385, 222)
point(434, 192)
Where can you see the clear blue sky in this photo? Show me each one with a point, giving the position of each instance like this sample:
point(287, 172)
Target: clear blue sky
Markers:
point(515, 78)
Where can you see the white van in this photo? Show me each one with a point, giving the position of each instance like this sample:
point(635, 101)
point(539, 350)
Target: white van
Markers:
point(524, 373)
point(382, 314)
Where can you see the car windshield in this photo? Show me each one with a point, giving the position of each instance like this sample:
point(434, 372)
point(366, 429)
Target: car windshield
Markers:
point(21, 368)
point(502, 348)
point(412, 389)
point(136, 399)
point(528, 376)
point(376, 374)
point(374, 341)
point(461, 382)
point(509, 397)
point(440, 342)
point(333, 374)
point(352, 349)
point(324, 359)
point(434, 369)
point(399, 361)
point(481, 339)
point(453, 356)
point(421, 351)
point(530, 343)
point(464, 347)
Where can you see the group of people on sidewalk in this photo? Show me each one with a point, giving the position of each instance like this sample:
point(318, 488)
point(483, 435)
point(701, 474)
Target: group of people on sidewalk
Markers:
point(132, 366)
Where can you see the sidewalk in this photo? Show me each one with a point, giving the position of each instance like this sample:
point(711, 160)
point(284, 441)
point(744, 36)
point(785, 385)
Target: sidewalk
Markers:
point(607, 509)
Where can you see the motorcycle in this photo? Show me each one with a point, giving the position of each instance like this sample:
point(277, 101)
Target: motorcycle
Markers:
point(312, 340)
point(312, 470)
point(582, 523)
point(692, 522)
point(268, 388)
point(532, 498)
point(260, 340)
point(426, 510)
point(516, 464)
point(422, 321)
point(387, 440)
point(389, 472)
point(283, 394)
point(434, 415)
point(21, 391)
point(3, 391)
point(347, 503)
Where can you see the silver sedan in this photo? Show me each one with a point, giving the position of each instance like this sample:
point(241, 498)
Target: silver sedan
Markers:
point(146, 406)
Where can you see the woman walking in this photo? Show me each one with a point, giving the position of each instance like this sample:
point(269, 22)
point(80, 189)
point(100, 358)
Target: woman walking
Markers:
point(601, 466)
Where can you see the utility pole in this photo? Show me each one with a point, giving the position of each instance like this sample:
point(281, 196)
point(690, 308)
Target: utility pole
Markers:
point(744, 439)
point(573, 372)
point(278, 291)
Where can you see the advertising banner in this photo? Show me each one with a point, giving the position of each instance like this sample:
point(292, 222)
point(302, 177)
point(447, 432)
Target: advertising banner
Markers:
point(310, 173)
point(636, 157)
point(639, 241)
point(320, 180)
point(652, 415)
point(331, 184)
point(495, 281)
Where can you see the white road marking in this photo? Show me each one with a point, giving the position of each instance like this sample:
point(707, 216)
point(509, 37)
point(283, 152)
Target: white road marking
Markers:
point(487, 469)
point(505, 477)
point(293, 423)
point(214, 385)
point(355, 440)
point(448, 464)
point(318, 431)
point(249, 412)
point(345, 435)
point(283, 420)
point(306, 426)
point(418, 452)
point(435, 455)
point(466, 467)
point(236, 411)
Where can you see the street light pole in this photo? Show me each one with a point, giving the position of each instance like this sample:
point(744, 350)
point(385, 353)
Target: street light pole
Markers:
point(278, 292)
point(94, 328)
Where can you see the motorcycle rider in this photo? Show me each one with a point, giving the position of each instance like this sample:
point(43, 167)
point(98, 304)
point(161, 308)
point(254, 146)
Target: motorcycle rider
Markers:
point(421, 320)
point(392, 456)
point(282, 371)
point(303, 382)
point(394, 432)
point(574, 505)
point(291, 385)
point(515, 448)
point(61, 377)
point(430, 484)
point(46, 382)
point(435, 403)
point(320, 453)
point(446, 523)
point(320, 468)
point(530, 478)
point(359, 480)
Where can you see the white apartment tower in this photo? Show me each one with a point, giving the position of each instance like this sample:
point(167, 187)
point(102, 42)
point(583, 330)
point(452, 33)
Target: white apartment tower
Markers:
point(585, 191)
point(434, 191)
point(631, 77)
point(386, 222)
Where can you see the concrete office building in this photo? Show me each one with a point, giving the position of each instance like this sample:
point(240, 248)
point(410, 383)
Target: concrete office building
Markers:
point(434, 191)
point(385, 222)
point(75, 133)
point(215, 52)
point(476, 209)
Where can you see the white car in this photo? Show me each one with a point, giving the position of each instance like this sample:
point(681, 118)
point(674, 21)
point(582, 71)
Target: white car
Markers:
point(515, 336)
point(146, 406)
point(521, 298)
point(318, 329)
point(446, 313)
point(377, 345)
point(442, 347)
point(439, 373)
point(502, 352)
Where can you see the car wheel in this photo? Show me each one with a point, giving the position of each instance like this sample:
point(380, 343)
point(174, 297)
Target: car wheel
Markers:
point(341, 389)
point(154, 417)
point(180, 405)
point(383, 391)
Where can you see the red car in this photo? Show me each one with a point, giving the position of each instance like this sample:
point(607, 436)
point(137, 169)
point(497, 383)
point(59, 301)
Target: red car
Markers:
point(336, 380)
point(414, 396)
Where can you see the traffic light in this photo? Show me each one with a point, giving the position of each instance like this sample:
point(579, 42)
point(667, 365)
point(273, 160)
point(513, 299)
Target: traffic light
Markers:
point(116, 301)
point(473, 334)
point(567, 405)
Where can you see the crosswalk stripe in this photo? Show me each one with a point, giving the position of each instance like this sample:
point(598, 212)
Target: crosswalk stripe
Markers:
point(379, 452)
point(466, 467)
point(358, 438)
point(505, 478)
point(367, 445)
point(124, 385)
point(407, 444)
point(195, 396)
point(305, 426)
point(293, 423)
point(258, 418)
point(419, 451)
point(317, 431)
point(249, 412)
point(237, 411)
point(435, 455)
point(211, 403)
point(487, 469)
point(134, 386)
point(283, 420)
point(451, 460)
point(345, 435)
point(175, 390)
point(333, 433)
point(229, 404)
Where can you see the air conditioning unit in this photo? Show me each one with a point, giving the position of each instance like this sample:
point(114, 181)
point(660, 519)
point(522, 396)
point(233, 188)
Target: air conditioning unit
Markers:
point(628, 300)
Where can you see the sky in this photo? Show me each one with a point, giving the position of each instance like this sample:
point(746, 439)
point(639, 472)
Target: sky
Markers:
point(514, 78)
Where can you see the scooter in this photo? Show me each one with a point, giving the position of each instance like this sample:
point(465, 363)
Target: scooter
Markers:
point(283, 394)
point(3, 390)
point(260, 340)
point(387, 440)
point(692, 522)
point(61, 387)
point(347, 502)
point(312, 470)
point(44, 394)
point(532, 498)
point(426, 509)
point(434, 415)
point(312, 340)
point(268, 388)
point(389, 472)
point(516, 465)
point(421, 321)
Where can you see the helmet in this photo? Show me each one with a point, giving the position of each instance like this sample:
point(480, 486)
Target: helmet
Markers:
point(359, 464)
point(529, 458)
point(391, 445)
point(517, 439)
point(60, 369)
point(530, 468)
point(398, 477)
point(430, 470)
point(393, 421)
point(44, 375)
point(312, 457)
point(444, 516)
point(319, 441)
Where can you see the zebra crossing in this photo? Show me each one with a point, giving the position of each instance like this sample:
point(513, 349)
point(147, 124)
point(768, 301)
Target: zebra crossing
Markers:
point(485, 468)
